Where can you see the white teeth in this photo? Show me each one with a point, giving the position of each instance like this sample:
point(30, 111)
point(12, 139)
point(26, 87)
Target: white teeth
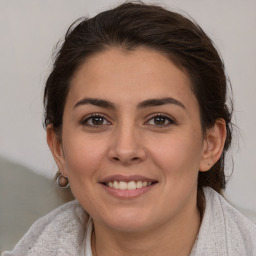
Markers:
point(122, 185)
point(131, 185)
point(115, 184)
point(139, 184)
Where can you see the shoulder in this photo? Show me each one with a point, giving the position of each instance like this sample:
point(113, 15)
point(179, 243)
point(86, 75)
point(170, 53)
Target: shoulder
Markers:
point(234, 220)
point(240, 231)
point(61, 232)
point(224, 230)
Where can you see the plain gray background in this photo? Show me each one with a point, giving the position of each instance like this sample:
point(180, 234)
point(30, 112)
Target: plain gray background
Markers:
point(29, 31)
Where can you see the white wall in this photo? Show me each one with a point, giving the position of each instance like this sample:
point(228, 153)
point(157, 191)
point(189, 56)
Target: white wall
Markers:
point(30, 29)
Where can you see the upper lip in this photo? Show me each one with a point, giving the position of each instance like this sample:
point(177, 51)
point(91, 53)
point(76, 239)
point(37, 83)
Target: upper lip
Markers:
point(126, 178)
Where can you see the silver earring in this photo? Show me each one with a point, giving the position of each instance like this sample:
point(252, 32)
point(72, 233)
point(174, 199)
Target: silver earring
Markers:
point(62, 181)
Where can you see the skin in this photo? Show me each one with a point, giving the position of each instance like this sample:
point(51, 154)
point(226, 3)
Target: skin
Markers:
point(129, 140)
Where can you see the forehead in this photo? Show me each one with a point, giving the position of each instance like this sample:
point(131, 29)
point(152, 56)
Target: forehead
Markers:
point(119, 75)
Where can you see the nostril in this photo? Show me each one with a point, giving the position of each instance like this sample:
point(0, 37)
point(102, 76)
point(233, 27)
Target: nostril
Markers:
point(134, 159)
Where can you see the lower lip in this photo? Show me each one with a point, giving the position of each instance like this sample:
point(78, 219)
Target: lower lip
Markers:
point(127, 193)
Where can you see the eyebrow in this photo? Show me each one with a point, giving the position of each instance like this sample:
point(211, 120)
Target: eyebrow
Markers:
point(96, 102)
point(160, 102)
point(144, 104)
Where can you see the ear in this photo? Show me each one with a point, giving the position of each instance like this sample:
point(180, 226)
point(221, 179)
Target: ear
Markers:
point(213, 144)
point(55, 145)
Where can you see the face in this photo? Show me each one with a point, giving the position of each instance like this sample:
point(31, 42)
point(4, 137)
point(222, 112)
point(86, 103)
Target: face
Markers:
point(132, 142)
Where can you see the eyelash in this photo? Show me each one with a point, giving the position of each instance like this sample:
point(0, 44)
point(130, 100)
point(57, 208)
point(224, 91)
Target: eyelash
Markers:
point(85, 121)
point(164, 118)
point(170, 120)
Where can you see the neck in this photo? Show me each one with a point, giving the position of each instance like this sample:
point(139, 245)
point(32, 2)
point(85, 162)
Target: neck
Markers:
point(169, 238)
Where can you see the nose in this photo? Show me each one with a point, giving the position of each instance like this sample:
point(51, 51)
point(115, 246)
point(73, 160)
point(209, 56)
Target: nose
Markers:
point(127, 146)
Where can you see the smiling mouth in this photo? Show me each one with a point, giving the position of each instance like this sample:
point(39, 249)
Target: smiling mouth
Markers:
point(131, 185)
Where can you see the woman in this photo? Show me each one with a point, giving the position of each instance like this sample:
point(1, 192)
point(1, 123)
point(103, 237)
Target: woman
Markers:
point(137, 122)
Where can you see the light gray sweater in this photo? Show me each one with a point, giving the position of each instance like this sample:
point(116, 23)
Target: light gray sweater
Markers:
point(223, 232)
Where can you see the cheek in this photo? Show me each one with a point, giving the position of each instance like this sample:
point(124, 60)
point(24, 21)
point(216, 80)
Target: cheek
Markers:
point(83, 159)
point(83, 155)
point(178, 156)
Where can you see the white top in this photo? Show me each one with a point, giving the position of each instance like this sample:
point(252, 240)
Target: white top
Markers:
point(88, 249)
point(67, 231)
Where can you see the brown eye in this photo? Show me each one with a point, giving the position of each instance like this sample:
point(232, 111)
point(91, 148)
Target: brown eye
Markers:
point(96, 120)
point(160, 120)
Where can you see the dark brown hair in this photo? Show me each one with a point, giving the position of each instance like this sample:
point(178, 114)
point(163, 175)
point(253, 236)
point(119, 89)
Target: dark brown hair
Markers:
point(133, 25)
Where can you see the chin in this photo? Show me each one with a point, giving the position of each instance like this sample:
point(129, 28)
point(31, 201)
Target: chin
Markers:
point(129, 227)
point(128, 222)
